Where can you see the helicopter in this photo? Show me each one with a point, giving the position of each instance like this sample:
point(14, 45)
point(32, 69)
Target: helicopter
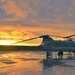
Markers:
point(50, 45)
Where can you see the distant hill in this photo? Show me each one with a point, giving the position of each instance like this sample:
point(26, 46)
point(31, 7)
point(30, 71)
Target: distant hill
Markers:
point(17, 48)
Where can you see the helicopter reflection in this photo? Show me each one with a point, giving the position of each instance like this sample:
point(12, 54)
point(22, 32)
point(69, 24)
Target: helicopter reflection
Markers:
point(56, 60)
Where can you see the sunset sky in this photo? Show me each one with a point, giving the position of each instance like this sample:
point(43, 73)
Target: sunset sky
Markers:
point(24, 19)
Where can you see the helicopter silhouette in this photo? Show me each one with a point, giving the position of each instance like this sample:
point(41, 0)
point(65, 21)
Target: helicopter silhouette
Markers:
point(50, 45)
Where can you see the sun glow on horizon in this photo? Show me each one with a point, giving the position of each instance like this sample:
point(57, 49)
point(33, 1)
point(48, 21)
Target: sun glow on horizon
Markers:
point(11, 42)
point(6, 42)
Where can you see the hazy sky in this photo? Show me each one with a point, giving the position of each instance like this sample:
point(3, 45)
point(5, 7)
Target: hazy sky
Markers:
point(37, 17)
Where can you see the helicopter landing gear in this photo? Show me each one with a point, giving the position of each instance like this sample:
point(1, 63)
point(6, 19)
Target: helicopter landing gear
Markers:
point(48, 54)
point(74, 52)
point(60, 53)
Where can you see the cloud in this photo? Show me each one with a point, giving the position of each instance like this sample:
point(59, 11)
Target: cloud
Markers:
point(42, 11)
point(37, 17)
point(14, 35)
point(32, 31)
point(12, 8)
point(19, 32)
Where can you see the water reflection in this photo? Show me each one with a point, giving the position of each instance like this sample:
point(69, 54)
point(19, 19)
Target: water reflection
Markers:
point(20, 63)
point(56, 60)
point(59, 65)
point(34, 63)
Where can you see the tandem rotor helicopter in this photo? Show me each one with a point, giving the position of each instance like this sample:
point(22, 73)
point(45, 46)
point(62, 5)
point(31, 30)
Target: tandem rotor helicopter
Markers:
point(49, 45)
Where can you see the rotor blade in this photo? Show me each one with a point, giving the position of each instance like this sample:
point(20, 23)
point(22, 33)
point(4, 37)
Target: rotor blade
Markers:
point(69, 36)
point(25, 40)
point(57, 36)
point(62, 36)
point(43, 35)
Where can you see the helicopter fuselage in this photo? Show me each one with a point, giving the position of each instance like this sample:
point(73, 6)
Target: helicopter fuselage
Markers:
point(58, 46)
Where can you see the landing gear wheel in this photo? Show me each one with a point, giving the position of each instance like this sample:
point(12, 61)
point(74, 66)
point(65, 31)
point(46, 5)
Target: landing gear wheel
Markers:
point(47, 54)
point(60, 53)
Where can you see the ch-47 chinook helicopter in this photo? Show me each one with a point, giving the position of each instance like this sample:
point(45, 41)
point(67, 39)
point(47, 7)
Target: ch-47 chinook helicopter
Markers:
point(49, 45)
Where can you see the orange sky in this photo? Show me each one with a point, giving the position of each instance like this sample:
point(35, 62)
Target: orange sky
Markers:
point(15, 33)
point(24, 19)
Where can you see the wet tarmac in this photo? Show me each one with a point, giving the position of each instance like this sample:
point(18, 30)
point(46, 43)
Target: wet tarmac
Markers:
point(36, 63)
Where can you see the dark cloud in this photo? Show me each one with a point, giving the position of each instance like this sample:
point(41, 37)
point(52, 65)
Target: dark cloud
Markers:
point(43, 11)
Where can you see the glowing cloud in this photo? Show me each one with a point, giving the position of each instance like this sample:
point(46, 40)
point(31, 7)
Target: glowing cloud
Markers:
point(11, 8)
